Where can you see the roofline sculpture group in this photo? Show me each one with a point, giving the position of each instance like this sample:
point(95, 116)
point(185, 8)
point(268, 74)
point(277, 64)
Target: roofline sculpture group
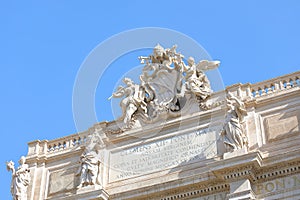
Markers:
point(166, 83)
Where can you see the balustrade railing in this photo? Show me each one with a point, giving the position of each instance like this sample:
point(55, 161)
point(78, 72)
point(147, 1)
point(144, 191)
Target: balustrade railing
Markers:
point(275, 85)
point(66, 142)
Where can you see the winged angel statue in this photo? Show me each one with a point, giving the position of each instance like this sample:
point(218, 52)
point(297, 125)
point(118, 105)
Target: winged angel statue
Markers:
point(166, 84)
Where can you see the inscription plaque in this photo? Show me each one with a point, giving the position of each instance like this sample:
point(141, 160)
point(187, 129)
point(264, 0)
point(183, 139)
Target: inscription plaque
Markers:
point(163, 154)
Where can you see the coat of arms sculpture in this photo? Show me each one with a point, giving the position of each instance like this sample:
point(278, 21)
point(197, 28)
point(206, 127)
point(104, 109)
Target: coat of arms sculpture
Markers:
point(167, 85)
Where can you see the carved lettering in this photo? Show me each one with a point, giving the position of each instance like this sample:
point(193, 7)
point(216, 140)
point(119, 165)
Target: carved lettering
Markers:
point(259, 188)
point(163, 154)
point(278, 184)
point(269, 187)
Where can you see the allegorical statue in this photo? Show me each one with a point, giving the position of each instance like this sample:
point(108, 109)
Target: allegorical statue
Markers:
point(195, 79)
point(20, 179)
point(134, 98)
point(233, 133)
point(89, 168)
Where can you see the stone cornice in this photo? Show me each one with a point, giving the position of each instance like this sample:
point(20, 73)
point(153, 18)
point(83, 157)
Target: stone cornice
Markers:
point(225, 171)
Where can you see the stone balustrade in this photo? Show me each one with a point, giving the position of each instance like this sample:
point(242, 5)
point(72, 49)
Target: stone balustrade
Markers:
point(275, 85)
point(57, 145)
point(66, 142)
point(264, 88)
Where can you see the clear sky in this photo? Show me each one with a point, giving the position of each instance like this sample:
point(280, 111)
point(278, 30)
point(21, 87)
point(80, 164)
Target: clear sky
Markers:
point(44, 43)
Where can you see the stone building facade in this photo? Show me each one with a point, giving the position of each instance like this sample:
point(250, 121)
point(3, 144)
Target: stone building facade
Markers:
point(134, 165)
point(188, 155)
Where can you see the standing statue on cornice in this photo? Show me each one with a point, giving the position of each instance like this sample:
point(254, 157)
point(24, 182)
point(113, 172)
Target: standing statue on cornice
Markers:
point(233, 133)
point(20, 179)
point(89, 168)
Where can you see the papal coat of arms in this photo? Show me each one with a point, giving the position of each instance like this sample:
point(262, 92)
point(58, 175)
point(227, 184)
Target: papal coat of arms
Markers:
point(167, 85)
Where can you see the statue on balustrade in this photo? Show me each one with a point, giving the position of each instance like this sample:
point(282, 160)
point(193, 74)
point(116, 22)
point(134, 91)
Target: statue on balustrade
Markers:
point(89, 168)
point(20, 179)
point(233, 133)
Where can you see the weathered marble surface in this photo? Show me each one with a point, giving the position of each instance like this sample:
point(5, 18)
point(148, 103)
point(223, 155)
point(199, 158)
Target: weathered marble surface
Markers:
point(166, 153)
point(268, 169)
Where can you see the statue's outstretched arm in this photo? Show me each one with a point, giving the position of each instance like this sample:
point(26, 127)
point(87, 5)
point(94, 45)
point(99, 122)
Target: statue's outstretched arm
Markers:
point(119, 93)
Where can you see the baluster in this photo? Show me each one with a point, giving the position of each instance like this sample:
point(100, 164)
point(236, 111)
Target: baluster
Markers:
point(68, 143)
point(281, 86)
point(248, 92)
point(276, 86)
point(257, 93)
point(264, 91)
point(71, 142)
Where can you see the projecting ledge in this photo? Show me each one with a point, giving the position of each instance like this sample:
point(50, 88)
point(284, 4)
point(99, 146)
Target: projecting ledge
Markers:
point(238, 167)
point(88, 193)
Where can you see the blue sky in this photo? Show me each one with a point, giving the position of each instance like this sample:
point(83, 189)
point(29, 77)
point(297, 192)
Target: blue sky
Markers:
point(44, 43)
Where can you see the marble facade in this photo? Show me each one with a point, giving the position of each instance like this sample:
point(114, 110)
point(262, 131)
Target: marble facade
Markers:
point(183, 157)
point(185, 163)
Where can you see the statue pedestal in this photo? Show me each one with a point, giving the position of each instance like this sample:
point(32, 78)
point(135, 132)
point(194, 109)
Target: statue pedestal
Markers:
point(88, 188)
point(91, 192)
point(235, 153)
